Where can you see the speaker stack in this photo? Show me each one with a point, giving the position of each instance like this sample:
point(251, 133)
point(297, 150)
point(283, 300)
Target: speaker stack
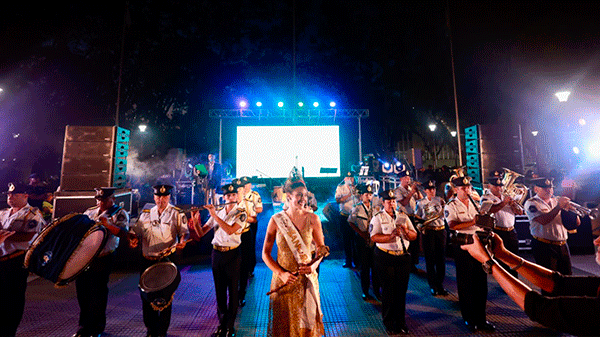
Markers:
point(93, 156)
point(492, 147)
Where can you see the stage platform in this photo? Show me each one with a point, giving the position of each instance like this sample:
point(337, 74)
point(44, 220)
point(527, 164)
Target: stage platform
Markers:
point(54, 312)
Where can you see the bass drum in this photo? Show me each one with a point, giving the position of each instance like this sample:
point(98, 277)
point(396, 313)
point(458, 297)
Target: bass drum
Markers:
point(158, 284)
point(65, 248)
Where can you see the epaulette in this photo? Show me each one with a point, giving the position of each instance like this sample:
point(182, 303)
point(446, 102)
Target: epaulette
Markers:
point(146, 210)
point(178, 209)
point(94, 207)
point(380, 211)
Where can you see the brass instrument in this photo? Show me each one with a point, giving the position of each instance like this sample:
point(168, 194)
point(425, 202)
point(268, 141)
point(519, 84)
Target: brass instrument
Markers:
point(584, 211)
point(515, 191)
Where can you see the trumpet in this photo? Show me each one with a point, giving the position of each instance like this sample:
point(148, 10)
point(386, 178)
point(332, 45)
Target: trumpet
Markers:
point(583, 211)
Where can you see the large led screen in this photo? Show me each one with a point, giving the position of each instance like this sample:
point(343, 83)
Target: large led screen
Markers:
point(272, 151)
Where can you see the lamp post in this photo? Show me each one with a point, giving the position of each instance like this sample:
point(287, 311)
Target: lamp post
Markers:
point(432, 128)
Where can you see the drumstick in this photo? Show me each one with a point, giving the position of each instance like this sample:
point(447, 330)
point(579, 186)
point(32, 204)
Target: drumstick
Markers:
point(320, 254)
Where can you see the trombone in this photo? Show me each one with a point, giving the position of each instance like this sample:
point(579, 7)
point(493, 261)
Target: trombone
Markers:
point(583, 211)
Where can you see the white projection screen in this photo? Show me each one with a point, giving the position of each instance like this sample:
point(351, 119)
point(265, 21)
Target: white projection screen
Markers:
point(272, 151)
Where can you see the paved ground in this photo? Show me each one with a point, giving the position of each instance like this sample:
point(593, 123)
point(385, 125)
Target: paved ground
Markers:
point(54, 312)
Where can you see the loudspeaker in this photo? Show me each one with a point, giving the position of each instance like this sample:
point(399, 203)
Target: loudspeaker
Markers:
point(79, 201)
point(94, 156)
point(491, 147)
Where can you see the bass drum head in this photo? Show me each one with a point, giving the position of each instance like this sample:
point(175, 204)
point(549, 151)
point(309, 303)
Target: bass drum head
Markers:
point(83, 255)
point(158, 276)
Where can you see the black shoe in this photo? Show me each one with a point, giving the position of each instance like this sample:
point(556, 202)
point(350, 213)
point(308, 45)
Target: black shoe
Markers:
point(403, 329)
point(231, 333)
point(442, 292)
point(367, 297)
point(242, 303)
point(487, 326)
point(220, 332)
point(434, 292)
point(472, 327)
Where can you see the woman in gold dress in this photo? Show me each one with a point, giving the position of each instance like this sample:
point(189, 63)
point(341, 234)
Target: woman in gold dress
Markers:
point(295, 307)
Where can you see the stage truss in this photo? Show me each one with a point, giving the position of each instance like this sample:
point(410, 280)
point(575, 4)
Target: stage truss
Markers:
point(292, 114)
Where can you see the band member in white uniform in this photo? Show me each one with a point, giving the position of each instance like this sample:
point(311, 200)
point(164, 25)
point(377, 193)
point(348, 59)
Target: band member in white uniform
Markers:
point(359, 220)
point(19, 225)
point(229, 222)
point(247, 244)
point(434, 238)
point(471, 280)
point(92, 284)
point(549, 247)
point(161, 228)
point(345, 197)
point(503, 210)
point(392, 232)
point(255, 200)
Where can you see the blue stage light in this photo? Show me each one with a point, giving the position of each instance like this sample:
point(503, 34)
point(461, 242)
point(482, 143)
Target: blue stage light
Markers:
point(259, 104)
point(300, 104)
point(316, 104)
point(332, 104)
point(243, 104)
point(280, 104)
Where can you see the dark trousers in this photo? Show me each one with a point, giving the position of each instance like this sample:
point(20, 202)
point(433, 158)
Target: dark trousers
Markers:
point(348, 239)
point(254, 230)
point(511, 242)
point(247, 252)
point(13, 278)
point(394, 272)
point(367, 270)
point(157, 322)
point(552, 256)
point(471, 282)
point(434, 247)
point(92, 295)
point(415, 249)
point(226, 274)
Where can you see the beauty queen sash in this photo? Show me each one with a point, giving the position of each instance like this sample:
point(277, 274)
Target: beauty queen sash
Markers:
point(312, 304)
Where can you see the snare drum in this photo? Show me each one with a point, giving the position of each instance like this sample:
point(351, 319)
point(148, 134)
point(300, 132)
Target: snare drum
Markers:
point(65, 248)
point(158, 284)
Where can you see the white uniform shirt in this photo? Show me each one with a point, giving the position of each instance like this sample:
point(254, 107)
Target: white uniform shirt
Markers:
point(27, 220)
point(221, 238)
point(117, 217)
point(554, 230)
point(456, 210)
point(343, 190)
point(161, 231)
point(361, 216)
point(401, 193)
point(383, 223)
point(505, 217)
point(255, 200)
point(427, 208)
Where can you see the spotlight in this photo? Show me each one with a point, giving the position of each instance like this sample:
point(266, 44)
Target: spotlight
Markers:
point(387, 167)
point(259, 104)
point(575, 150)
point(280, 104)
point(581, 121)
point(534, 133)
point(432, 127)
point(562, 96)
point(316, 104)
point(332, 104)
point(142, 127)
point(453, 133)
point(243, 104)
point(300, 104)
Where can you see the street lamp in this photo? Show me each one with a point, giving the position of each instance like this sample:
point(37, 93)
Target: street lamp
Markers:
point(562, 96)
point(142, 127)
point(432, 128)
point(453, 133)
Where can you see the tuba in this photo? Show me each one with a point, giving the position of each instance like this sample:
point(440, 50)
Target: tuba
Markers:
point(515, 191)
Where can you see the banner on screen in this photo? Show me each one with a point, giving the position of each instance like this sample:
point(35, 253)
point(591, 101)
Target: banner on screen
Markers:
point(272, 151)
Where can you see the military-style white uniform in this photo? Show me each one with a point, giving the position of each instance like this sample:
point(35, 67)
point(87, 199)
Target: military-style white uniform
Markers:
point(254, 199)
point(158, 233)
point(550, 248)
point(162, 231)
point(471, 280)
point(348, 236)
point(361, 216)
point(341, 191)
point(226, 263)
point(92, 284)
point(434, 241)
point(392, 263)
point(13, 276)
point(401, 193)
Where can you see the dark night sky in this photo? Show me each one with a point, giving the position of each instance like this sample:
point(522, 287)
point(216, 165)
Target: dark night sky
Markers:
point(59, 63)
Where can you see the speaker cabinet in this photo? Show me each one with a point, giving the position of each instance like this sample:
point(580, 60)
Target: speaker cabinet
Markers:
point(94, 156)
point(79, 201)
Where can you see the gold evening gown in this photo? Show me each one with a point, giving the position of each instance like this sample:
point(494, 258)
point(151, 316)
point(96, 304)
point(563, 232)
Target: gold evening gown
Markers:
point(285, 306)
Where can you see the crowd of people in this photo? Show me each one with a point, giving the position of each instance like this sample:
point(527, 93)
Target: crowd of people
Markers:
point(389, 229)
